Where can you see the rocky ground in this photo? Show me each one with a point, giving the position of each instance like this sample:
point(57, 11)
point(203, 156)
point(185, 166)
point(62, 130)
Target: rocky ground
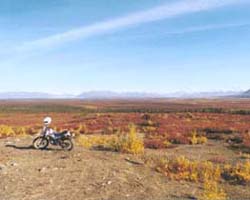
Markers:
point(53, 174)
point(29, 174)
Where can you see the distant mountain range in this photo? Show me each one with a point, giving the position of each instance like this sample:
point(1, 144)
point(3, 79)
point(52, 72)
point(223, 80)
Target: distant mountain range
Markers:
point(245, 94)
point(122, 95)
point(115, 95)
point(138, 95)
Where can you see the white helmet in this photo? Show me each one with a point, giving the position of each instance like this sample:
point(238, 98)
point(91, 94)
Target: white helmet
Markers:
point(47, 121)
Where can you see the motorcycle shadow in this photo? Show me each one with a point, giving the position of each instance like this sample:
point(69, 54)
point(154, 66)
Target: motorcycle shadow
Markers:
point(30, 147)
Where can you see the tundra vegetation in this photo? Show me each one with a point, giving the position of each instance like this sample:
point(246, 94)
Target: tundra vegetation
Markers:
point(154, 131)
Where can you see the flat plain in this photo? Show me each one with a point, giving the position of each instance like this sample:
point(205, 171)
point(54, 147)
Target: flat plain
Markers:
point(180, 149)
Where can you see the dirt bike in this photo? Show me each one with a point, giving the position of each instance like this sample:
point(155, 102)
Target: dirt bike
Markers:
point(63, 139)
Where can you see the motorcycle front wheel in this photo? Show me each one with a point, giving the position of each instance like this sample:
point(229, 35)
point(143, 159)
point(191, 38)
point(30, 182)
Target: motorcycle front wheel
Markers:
point(67, 144)
point(40, 143)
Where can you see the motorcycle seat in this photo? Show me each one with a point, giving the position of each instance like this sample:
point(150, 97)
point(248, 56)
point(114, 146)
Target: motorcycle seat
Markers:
point(59, 135)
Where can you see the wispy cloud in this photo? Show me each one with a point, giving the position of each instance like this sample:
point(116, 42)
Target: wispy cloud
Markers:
point(207, 28)
point(161, 12)
point(192, 29)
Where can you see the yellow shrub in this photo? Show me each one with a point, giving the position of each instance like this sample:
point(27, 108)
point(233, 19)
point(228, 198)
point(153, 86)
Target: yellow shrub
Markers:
point(126, 143)
point(243, 171)
point(6, 131)
point(244, 155)
point(210, 171)
point(84, 141)
point(202, 140)
point(212, 191)
point(166, 143)
point(131, 142)
point(149, 129)
point(82, 129)
point(183, 169)
point(197, 139)
point(194, 139)
point(239, 173)
point(20, 131)
point(94, 140)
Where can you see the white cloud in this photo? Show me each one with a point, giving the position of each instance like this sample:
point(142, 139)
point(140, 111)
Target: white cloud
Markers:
point(207, 28)
point(161, 12)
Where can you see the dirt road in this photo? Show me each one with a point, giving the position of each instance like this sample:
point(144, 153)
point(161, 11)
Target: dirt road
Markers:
point(28, 174)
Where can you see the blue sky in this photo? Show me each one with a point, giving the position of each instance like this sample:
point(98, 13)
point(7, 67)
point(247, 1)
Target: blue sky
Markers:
point(70, 46)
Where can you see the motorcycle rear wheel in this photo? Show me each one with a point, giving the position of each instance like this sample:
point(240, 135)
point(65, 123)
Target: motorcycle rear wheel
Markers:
point(67, 144)
point(40, 143)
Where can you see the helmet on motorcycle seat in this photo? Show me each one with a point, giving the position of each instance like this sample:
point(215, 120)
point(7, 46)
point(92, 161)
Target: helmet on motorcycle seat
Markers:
point(47, 121)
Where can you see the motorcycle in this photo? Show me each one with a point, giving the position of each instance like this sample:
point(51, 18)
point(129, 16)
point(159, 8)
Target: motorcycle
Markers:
point(63, 139)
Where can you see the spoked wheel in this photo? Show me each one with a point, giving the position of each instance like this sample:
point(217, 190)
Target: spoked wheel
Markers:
point(40, 143)
point(67, 144)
